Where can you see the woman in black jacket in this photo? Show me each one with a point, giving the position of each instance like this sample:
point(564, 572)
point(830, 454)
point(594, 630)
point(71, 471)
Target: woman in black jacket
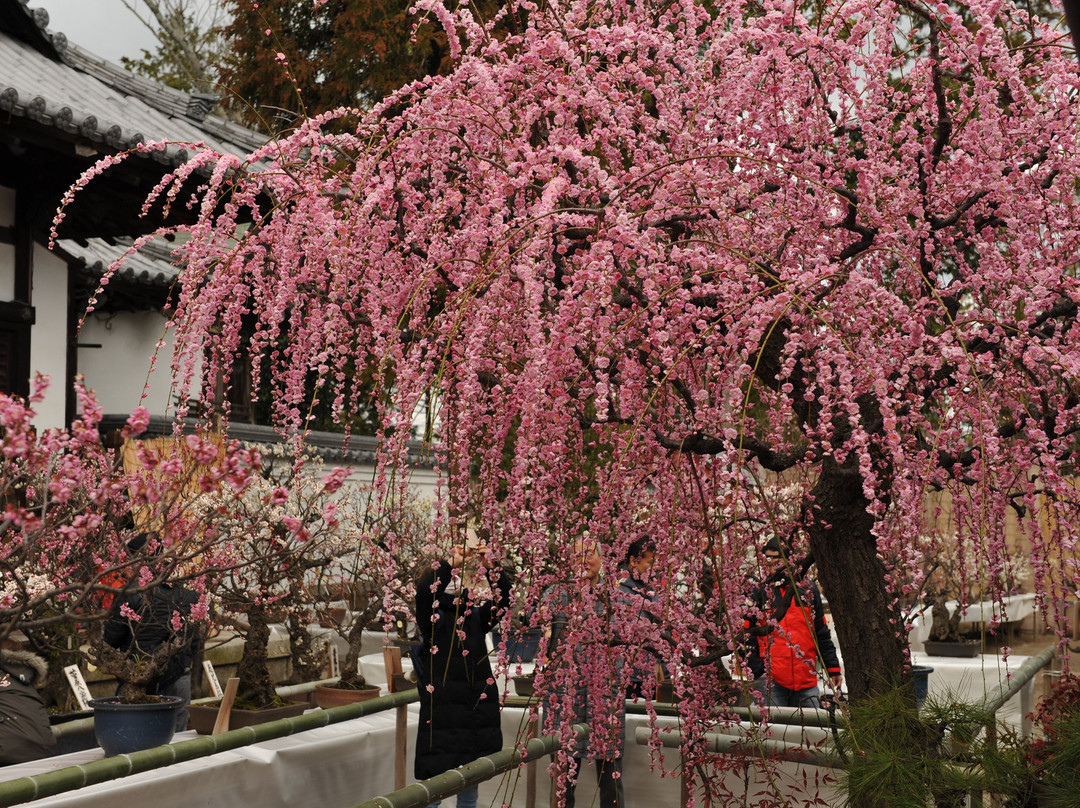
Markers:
point(457, 604)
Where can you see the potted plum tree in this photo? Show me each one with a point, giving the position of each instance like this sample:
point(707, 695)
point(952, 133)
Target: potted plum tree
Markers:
point(365, 567)
point(71, 511)
point(288, 522)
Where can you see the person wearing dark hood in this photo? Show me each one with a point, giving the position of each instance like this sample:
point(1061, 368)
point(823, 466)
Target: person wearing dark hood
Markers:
point(458, 601)
point(25, 733)
point(638, 592)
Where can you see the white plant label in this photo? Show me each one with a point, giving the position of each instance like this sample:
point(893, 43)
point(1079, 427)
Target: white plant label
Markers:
point(335, 665)
point(78, 686)
point(211, 677)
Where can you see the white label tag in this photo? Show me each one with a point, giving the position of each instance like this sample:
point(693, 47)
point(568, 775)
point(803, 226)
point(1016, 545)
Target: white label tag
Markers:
point(335, 664)
point(78, 686)
point(211, 678)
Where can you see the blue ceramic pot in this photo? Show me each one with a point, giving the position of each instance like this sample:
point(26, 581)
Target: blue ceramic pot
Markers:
point(921, 676)
point(521, 645)
point(121, 728)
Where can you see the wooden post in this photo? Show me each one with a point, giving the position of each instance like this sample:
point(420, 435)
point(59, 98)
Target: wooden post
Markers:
point(392, 663)
point(530, 767)
point(222, 722)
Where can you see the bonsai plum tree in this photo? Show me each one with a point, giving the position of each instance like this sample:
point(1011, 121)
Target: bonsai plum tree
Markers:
point(71, 514)
point(281, 530)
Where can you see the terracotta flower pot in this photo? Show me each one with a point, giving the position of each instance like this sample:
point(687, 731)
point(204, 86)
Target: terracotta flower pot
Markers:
point(332, 618)
point(328, 696)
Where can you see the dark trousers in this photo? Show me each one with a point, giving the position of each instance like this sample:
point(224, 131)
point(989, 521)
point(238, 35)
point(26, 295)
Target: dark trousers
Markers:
point(610, 787)
point(180, 688)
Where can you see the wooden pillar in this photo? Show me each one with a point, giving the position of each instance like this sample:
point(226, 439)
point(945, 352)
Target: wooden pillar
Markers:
point(392, 662)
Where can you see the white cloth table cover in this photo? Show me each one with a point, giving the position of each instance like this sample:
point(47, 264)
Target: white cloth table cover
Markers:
point(344, 764)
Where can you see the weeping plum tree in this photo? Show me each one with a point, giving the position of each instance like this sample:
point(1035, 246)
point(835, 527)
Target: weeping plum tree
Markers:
point(641, 255)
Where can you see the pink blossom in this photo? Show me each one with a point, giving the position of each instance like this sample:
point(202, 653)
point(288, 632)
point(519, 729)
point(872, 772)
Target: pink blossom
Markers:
point(138, 420)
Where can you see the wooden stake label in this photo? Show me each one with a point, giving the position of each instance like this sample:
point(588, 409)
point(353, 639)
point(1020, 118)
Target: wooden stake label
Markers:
point(78, 686)
point(211, 678)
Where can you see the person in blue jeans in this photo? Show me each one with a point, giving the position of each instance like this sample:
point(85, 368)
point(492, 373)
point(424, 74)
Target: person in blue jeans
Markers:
point(458, 601)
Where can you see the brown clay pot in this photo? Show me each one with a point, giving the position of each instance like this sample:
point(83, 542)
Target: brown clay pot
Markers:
point(953, 648)
point(328, 696)
point(523, 685)
point(202, 717)
point(332, 618)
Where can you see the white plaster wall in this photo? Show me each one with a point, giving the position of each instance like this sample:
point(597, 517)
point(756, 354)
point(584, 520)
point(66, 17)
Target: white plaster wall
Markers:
point(7, 271)
point(48, 338)
point(117, 371)
point(422, 482)
point(7, 251)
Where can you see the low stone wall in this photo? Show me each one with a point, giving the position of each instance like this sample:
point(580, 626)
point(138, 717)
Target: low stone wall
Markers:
point(223, 650)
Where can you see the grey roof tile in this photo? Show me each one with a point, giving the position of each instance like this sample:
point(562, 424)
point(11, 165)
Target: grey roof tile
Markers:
point(78, 92)
point(151, 266)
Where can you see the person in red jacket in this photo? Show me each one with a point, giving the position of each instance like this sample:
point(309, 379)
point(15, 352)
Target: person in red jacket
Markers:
point(792, 638)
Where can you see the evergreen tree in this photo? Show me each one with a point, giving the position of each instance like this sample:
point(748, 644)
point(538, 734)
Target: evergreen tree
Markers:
point(288, 59)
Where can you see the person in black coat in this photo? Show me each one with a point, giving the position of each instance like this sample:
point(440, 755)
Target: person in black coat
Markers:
point(154, 629)
point(457, 603)
point(25, 733)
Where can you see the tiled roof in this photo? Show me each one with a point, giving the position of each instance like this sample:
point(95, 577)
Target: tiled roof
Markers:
point(150, 267)
point(48, 80)
point(83, 95)
point(331, 446)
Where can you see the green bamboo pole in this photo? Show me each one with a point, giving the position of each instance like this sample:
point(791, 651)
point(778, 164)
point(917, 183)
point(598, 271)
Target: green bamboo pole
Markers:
point(1024, 674)
point(1005, 691)
point(636, 708)
point(56, 782)
point(448, 783)
point(799, 716)
point(720, 744)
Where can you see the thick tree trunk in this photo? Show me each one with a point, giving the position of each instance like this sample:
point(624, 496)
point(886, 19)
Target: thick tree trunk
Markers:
point(256, 687)
point(868, 622)
point(307, 664)
point(350, 668)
